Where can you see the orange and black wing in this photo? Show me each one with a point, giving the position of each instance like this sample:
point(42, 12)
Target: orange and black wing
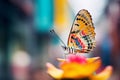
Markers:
point(82, 33)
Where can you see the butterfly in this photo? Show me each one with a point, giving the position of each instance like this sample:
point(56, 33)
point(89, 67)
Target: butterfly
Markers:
point(82, 34)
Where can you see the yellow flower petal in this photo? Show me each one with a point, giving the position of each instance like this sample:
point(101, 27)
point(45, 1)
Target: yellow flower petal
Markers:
point(104, 75)
point(76, 70)
point(90, 60)
point(60, 60)
point(53, 71)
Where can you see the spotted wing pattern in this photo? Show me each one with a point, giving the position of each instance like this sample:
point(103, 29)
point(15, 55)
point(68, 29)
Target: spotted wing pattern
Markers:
point(82, 34)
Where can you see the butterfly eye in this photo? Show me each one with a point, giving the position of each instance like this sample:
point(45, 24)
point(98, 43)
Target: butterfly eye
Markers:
point(65, 48)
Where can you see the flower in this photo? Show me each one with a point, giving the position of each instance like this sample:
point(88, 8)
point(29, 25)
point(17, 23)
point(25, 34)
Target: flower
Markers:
point(79, 67)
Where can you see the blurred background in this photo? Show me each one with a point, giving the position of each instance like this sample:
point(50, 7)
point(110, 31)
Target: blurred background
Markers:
point(26, 43)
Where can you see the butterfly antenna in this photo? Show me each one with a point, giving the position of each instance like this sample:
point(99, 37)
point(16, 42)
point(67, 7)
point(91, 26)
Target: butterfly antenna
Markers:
point(64, 46)
point(54, 33)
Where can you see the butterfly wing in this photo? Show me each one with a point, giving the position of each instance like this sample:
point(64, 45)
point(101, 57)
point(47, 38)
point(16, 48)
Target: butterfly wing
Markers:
point(82, 34)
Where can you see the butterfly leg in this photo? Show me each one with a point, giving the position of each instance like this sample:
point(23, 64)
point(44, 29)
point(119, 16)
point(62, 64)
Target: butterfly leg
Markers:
point(73, 51)
point(70, 50)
